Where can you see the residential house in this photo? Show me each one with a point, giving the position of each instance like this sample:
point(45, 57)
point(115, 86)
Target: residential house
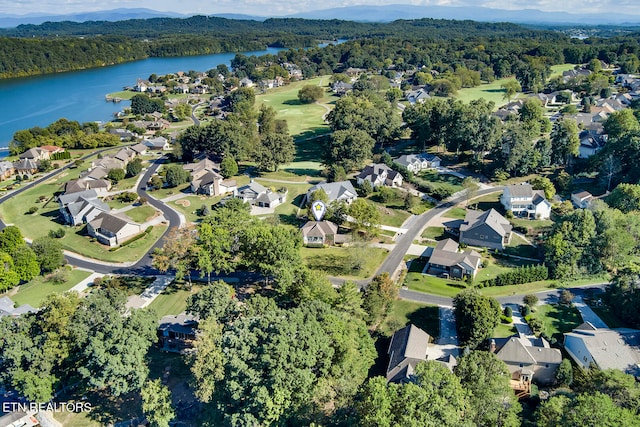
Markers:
point(6, 170)
point(523, 200)
point(418, 96)
point(125, 155)
point(354, 72)
point(250, 192)
point(52, 149)
point(141, 85)
point(446, 259)
point(486, 229)
point(100, 186)
point(271, 199)
point(157, 143)
point(575, 74)
point(246, 82)
point(581, 199)
point(112, 229)
point(527, 358)
point(25, 167)
point(140, 149)
point(319, 233)
point(341, 88)
point(80, 207)
point(512, 107)
point(342, 191)
point(417, 162)
point(604, 348)
point(590, 143)
point(36, 154)
point(177, 333)
point(123, 134)
point(7, 308)
point(206, 179)
point(379, 174)
point(408, 347)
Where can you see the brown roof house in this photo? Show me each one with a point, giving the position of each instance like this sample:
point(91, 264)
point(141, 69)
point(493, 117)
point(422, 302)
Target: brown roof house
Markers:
point(379, 174)
point(527, 358)
point(486, 229)
point(604, 348)
point(111, 229)
point(206, 179)
point(446, 259)
point(319, 233)
point(177, 333)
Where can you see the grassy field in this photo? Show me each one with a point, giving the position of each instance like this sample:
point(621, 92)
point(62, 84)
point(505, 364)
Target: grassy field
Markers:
point(557, 70)
point(435, 233)
point(173, 300)
point(301, 118)
point(403, 312)
point(455, 213)
point(288, 210)
point(141, 214)
point(336, 261)
point(36, 290)
point(504, 330)
point(189, 205)
point(518, 246)
point(533, 287)
point(557, 319)
point(489, 91)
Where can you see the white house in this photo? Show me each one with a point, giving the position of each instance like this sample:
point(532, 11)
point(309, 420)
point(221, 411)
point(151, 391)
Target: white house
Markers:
point(523, 200)
point(112, 230)
point(379, 174)
point(341, 191)
point(581, 199)
point(417, 162)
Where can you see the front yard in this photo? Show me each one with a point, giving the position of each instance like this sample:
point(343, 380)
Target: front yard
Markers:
point(37, 289)
point(342, 262)
point(557, 319)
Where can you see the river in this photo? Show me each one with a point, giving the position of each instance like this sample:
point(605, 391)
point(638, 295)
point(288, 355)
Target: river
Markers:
point(80, 95)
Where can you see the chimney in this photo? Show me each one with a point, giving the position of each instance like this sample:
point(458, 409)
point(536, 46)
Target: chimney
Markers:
point(492, 346)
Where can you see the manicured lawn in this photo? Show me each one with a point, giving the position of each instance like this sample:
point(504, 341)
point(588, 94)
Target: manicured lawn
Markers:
point(519, 247)
point(435, 233)
point(533, 226)
point(163, 193)
point(283, 175)
point(557, 70)
point(36, 290)
point(504, 330)
point(393, 217)
point(295, 195)
point(455, 213)
point(489, 201)
point(433, 285)
point(310, 145)
point(437, 180)
point(533, 287)
point(123, 94)
point(141, 214)
point(125, 184)
point(117, 204)
point(336, 261)
point(303, 167)
point(557, 319)
point(489, 91)
point(392, 210)
point(189, 205)
point(403, 312)
point(173, 300)
point(301, 118)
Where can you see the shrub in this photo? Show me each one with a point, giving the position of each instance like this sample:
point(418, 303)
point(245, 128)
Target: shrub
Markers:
point(32, 210)
point(57, 234)
point(530, 300)
point(61, 275)
point(520, 275)
point(526, 311)
point(127, 197)
point(508, 312)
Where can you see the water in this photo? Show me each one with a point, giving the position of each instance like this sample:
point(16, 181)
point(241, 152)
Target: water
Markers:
point(80, 95)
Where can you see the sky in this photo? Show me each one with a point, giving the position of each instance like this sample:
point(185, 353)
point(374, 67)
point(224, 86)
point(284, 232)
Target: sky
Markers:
point(286, 7)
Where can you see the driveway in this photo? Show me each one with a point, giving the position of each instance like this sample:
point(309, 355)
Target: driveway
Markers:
point(587, 314)
point(518, 321)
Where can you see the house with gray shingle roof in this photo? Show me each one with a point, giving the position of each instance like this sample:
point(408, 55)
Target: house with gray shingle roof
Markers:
point(177, 333)
point(523, 200)
point(408, 347)
point(80, 207)
point(111, 229)
point(379, 174)
point(7, 308)
point(336, 191)
point(446, 258)
point(417, 162)
point(486, 229)
point(528, 358)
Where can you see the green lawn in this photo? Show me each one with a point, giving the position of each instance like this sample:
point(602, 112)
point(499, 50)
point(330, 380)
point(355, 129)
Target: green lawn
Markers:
point(189, 205)
point(123, 94)
point(455, 213)
point(557, 70)
point(283, 175)
point(392, 210)
point(141, 214)
point(336, 261)
point(36, 290)
point(288, 210)
point(518, 246)
point(438, 180)
point(533, 226)
point(302, 118)
point(504, 330)
point(533, 287)
point(131, 285)
point(173, 300)
point(489, 91)
point(557, 319)
point(163, 193)
point(403, 312)
point(435, 233)
point(489, 201)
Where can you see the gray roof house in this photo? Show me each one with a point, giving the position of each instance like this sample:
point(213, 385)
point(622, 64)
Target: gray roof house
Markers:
point(447, 259)
point(418, 96)
point(177, 333)
point(582, 199)
point(486, 229)
point(80, 207)
point(157, 143)
point(340, 191)
point(379, 174)
point(7, 308)
point(417, 162)
point(604, 348)
point(250, 192)
point(408, 347)
point(111, 229)
point(26, 166)
point(528, 358)
point(6, 169)
point(206, 179)
point(101, 186)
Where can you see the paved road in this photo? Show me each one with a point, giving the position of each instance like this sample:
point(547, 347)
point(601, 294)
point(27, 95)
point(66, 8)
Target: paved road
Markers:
point(393, 261)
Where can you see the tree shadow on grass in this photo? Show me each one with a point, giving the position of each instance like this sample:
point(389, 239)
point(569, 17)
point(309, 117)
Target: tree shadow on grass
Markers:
point(107, 410)
point(295, 102)
point(427, 319)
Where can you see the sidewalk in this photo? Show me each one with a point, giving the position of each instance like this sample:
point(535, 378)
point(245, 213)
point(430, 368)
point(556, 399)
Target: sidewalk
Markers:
point(83, 285)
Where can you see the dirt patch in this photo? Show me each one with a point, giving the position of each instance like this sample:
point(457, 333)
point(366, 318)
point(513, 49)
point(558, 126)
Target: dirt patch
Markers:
point(184, 203)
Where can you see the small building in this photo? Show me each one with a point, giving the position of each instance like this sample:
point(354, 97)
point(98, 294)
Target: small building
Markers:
point(140, 149)
point(446, 259)
point(581, 199)
point(591, 141)
point(25, 167)
point(486, 229)
point(158, 143)
point(341, 88)
point(341, 191)
point(523, 200)
point(250, 192)
point(7, 308)
point(408, 347)
point(123, 134)
point(271, 199)
point(604, 348)
point(111, 229)
point(417, 162)
point(6, 170)
point(177, 333)
point(319, 233)
point(527, 358)
point(379, 174)
point(418, 96)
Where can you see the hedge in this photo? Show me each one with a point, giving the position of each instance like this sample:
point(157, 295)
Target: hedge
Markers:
point(518, 276)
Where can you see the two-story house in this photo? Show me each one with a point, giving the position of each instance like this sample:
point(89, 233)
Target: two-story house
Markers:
point(486, 229)
point(379, 174)
point(417, 162)
point(523, 200)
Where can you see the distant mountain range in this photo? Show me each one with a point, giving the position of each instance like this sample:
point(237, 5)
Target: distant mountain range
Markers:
point(358, 13)
point(10, 21)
